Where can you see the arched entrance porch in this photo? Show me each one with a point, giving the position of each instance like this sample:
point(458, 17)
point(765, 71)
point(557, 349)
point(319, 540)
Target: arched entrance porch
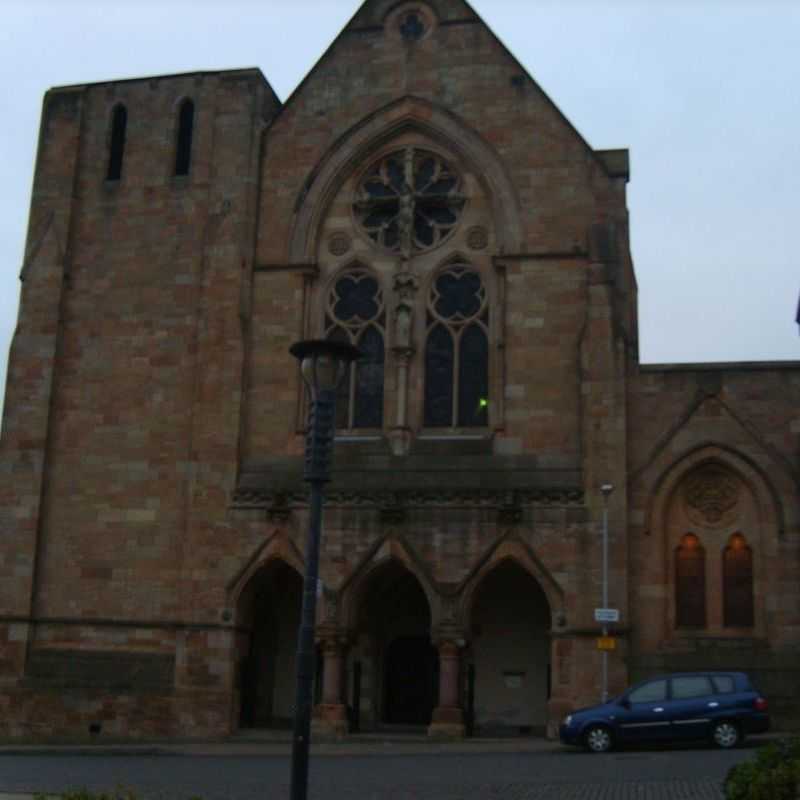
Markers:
point(508, 660)
point(268, 617)
point(392, 665)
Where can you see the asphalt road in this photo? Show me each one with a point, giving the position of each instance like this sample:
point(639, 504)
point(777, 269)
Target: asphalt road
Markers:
point(560, 774)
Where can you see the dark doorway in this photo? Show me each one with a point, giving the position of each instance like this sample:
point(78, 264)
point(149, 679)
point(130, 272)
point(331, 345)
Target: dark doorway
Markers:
point(269, 616)
point(400, 683)
point(411, 680)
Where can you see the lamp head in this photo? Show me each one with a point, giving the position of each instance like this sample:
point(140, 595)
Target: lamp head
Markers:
point(606, 489)
point(323, 364)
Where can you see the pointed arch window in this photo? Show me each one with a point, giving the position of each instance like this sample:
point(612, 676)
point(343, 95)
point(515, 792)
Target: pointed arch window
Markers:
point(737, 583)
point(355, 314)
point(183, 145)
point(457, 350)
point(119, 123)
point(690, 583)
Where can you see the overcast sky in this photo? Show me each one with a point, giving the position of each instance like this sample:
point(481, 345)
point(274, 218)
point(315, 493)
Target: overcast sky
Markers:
point(704, 93)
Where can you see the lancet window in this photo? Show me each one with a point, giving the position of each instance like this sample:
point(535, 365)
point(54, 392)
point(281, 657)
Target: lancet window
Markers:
point(116, 151)
point(457, 350)
point(355, 313)
point(737, 583)
point(690, 583)
point(183, 144)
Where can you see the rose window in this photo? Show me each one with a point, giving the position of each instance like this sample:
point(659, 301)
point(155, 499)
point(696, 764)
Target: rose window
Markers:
point(409, 201)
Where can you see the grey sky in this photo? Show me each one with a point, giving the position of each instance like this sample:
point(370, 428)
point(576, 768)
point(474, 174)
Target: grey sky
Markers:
point(703, 93)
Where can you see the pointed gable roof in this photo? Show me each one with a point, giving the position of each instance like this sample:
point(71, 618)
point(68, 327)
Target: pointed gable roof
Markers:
point(370, 17)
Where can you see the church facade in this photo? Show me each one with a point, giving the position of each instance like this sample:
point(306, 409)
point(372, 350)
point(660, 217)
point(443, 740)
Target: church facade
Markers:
point(420, 197)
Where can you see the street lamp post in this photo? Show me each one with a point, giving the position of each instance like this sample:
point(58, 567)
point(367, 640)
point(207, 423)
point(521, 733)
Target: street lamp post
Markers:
point(323, 364)
point(606, 490)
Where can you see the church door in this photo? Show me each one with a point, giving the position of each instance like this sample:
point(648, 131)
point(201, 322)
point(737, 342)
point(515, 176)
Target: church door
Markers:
point(411, 680)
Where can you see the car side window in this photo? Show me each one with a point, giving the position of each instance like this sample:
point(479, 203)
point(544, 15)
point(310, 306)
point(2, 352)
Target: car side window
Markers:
point(652, 692)
point(689, 686)
point(723, 683)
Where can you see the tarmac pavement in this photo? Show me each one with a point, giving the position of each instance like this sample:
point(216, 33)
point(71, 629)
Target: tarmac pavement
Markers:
point(380, 746)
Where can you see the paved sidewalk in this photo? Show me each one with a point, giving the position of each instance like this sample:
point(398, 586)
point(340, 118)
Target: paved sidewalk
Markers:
point(279, 743)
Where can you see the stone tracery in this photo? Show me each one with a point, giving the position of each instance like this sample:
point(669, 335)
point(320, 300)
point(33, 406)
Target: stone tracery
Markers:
point(409, 201)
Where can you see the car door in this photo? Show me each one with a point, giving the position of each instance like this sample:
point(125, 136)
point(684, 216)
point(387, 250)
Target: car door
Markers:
point(691, 706)
point(642, 716)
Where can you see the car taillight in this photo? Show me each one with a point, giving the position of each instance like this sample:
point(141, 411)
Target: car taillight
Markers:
point(760, 704)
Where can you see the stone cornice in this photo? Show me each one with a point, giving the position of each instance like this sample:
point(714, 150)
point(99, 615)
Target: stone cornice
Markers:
point(283, 502)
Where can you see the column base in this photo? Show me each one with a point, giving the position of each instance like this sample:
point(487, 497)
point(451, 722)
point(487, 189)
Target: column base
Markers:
point(400, 439)
point(557, 709)
point(329, 722)
point(447, 723)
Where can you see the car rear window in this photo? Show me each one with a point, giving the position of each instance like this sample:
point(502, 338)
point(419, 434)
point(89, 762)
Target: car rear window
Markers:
point(689, 686)
point(724, 684)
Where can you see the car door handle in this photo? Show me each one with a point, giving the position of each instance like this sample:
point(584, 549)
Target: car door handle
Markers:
point(658, 709)
point(713, 704)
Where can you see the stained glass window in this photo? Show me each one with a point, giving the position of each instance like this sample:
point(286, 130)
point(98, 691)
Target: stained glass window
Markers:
point(737, 583)
point(355, 314)
point(439, 368)
point(457, 351)
point(409, 201)
point(690, 583)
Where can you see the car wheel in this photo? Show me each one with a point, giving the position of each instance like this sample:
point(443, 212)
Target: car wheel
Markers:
point(726, 734)
point(598, 739)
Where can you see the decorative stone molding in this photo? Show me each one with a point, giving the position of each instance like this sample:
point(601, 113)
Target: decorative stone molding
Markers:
point(477, 238)
point(339, 244)
point(711, 496)
point(393, 511)
point(278, 510)
point(421, 498)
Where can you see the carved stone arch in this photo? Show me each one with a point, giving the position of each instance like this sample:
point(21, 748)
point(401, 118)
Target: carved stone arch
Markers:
point(355, 146)
point(661, 489)
point(388, 549)
point(180, 99)
point(277, 547)
point(510, 548)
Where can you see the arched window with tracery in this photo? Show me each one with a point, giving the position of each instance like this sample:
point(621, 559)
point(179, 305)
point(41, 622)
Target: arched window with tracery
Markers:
point(116, 148)
point(457, 350)
point(737, 583)
point(690, 583)
point(355, 314)
point(183, 143)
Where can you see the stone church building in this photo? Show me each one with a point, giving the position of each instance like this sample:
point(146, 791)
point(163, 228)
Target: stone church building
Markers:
point(421, 197)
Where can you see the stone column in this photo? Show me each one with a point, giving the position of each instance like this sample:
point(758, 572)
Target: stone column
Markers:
point(562, 657)
point(400, 434)
point(330, 716)
point(448, 717)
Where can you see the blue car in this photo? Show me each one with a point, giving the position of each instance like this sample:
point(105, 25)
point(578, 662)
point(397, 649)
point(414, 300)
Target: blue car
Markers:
point(722, 707)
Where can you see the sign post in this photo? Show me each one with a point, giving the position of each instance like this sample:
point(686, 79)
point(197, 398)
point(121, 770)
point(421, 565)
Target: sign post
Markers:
point(606, 490)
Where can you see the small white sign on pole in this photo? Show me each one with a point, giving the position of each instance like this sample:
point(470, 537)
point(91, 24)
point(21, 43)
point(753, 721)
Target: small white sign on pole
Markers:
point(606, 615)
